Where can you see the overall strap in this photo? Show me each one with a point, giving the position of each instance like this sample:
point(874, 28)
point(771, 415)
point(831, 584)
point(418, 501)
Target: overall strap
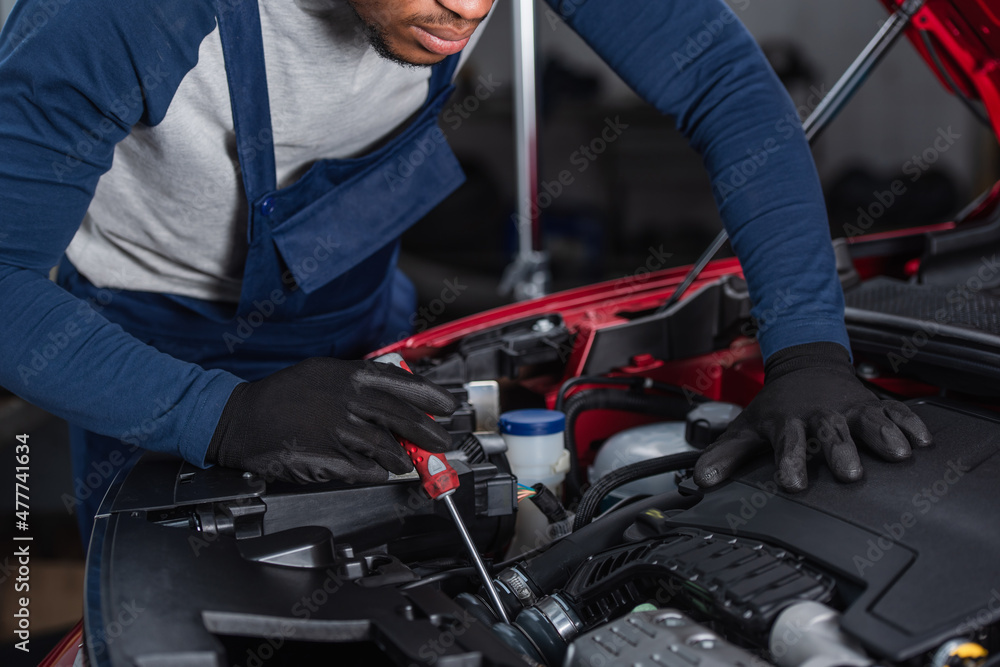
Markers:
point(443, 73)
point(243, 51)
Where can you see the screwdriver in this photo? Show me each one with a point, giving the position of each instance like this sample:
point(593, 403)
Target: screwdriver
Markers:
point(440, 480)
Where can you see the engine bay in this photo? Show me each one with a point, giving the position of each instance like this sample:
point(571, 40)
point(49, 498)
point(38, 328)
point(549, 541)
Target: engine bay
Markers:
point(624, 560)
point(863, 574)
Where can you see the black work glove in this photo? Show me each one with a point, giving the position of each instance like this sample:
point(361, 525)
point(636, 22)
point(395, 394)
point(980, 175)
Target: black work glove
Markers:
point(325, 419)
point(811, 401)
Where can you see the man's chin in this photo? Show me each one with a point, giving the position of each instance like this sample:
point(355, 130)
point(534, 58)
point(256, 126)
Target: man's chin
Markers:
point(412, 58)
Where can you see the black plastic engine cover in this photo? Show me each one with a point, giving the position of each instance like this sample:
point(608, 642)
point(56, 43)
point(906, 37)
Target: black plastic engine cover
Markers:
point(916, 541)
point(195, 558)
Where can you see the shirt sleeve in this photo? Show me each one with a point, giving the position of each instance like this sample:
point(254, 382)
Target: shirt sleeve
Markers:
point(696, 62)
point(75, 76)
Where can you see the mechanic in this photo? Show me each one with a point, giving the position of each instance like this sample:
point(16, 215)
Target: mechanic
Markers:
point(210, 179)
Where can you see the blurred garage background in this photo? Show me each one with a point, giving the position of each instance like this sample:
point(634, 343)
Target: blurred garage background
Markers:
point(648, 189)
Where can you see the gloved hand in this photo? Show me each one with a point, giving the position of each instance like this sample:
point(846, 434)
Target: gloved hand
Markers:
point(811, 401)
point(325, 419)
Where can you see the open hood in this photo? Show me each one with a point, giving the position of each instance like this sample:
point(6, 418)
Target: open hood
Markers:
point(964, 53)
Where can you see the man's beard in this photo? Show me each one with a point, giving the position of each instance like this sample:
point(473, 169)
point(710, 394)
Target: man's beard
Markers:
point(378, 39)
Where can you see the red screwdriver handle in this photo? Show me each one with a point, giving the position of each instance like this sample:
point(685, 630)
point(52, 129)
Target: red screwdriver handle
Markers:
point(436, 474)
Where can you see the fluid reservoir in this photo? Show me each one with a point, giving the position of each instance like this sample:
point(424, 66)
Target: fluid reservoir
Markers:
point(640, 444)
point(537, 455)
point(704, 424)
point(535, 446)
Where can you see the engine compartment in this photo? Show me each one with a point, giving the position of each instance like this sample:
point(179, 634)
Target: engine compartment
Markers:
point(224, 572)
point(897, 569)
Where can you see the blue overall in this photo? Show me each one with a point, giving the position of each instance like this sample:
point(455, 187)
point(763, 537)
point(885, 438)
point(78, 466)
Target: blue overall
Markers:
point(320, 277)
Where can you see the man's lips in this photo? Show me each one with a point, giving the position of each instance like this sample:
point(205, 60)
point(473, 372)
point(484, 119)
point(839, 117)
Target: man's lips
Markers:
point(441, 41)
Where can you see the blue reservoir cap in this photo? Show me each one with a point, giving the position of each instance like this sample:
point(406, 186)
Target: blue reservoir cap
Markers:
point(532, 422)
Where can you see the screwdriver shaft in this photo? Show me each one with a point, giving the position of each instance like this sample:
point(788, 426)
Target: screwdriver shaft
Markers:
point(476, 560)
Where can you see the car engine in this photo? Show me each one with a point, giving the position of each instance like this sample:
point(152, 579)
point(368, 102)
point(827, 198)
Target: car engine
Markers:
point(215, 567)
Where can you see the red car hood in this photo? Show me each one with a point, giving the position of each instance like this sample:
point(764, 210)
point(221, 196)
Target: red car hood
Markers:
point(965, 35)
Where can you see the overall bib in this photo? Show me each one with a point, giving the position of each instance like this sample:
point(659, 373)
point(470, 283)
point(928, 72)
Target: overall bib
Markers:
point(320, 277)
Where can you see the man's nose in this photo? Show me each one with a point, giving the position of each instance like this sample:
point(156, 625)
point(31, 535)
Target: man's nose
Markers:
point(470, 10)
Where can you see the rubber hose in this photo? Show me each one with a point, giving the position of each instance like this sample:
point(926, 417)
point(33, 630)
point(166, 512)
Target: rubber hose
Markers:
point(552, 567)
point(592, 499)
point(592, 379)
point(668, 407)
point(637, 382)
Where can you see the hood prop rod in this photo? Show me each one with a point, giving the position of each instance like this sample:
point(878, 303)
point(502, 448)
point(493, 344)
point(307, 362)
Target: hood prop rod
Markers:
point(828, 109)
